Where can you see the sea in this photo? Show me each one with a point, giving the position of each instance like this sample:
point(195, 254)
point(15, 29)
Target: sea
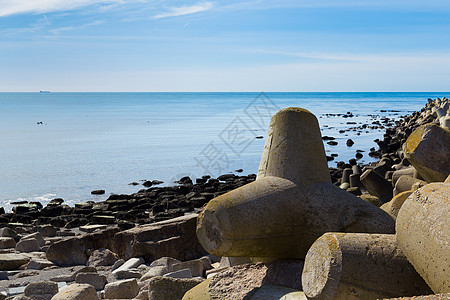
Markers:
point(65, 145)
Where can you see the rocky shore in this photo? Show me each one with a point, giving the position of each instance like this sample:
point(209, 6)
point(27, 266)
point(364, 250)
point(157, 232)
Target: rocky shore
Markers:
point(298, 230)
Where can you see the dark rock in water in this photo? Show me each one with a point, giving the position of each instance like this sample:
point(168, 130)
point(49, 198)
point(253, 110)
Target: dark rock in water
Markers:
point(260, 137)
point(19, 202)
point(185, 180)
point(330, 158)
point(147, 184)
point(2, 210)
point(332, 143)
point(358, 155)
point(225, 177)
point(334, 154)
point(239, 170)
point(352, 162)
point(156, 182)
point(133, 183)
point(98, 192)
point(55, 202)
point(350, 142)
point(328, 138)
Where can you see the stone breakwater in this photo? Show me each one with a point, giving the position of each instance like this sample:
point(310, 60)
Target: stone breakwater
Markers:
point(296, 230)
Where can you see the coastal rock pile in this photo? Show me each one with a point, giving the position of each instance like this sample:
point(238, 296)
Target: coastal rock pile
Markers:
point(297, 230)
point(290, 211)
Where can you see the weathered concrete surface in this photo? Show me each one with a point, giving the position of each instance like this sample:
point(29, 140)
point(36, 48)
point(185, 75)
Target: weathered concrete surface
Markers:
point(423, 234)
point(76, 292)
point(406, 183)
point(294, 149)
point(280, 217)
point(175, 238)
point(377, 185)
point(277, 292)
point(393, 207)
point(427, 148)
point(359, 266)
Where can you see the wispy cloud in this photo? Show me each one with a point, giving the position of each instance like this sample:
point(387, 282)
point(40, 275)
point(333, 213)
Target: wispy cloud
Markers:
point(68, 28)
point(184, 10)
point(12, 7)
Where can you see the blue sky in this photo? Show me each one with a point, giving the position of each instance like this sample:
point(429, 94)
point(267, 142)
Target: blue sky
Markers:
point(147, 45)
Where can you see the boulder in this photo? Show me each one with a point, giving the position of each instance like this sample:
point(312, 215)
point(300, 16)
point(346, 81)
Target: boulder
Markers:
point(155, 271)
point(359, 266)
point(423, 234)
point(123, 289)
point(242, 281)
point(41, 290)
point(175, 238)
point(428, 151)
point(96, 280)
point(291, 203)
point(130, 264)
point(166, 288)
point(376, 185)
point(183, 273)
point(9, 261)
point(28, 245)
point(39, 264)
point(76, 292)
point(195, 266)
point(102, 257)
point(72, 251)
point(7, 242)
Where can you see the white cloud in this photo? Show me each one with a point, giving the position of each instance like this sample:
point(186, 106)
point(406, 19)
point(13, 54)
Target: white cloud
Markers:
point(11, 7)
point(185, 10)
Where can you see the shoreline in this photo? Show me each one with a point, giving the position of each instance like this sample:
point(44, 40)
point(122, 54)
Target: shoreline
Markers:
point(120, 222)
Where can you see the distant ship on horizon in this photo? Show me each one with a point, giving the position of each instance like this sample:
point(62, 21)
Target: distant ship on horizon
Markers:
point(44, 92)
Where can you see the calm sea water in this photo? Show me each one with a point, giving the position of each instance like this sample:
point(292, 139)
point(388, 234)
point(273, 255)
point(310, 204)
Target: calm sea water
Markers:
point(90, 141)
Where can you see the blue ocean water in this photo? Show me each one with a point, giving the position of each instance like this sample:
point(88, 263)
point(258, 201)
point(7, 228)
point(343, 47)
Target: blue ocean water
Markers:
point(68, 144)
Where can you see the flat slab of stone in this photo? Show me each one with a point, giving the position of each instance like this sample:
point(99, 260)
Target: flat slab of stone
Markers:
point(12, 261)
point(92, 228)
point(167, 288)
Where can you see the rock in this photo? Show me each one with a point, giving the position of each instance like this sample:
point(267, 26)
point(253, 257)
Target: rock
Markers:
point(428, 151)
point(175, 238)
point(8, 232)
point(155, 271)
point(350, 142)
point(102, 257)
point(291, 200)
point(234, 261)
point(36, 236)
point(359, 266)
point(98, 192)
point(130, 264)
point(241, 281)
point(76, 292)
point(166, 288)
point(167, 262)
point(28, 245)
point(42, 289)
point(423, 234)
point(277, 292)
point(377, 185)
point(7, 242)
point(404, 171)
point(127, 274)
point(72, 251)
point(195, 266)
point(12, 261)
point(183, 273)
point(117, 264)
point(371, 199)
point(92, 228)
point(96, 280)
point(123, 289)
point(38, 264)
point(47, 231)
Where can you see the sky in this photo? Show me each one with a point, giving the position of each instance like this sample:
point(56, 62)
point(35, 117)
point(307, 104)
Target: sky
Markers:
point(224, 46)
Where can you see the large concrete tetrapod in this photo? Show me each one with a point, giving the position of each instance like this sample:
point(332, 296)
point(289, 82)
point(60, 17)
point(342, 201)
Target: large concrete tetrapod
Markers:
point(423, 234)
point(291, 203)
point(351, 266)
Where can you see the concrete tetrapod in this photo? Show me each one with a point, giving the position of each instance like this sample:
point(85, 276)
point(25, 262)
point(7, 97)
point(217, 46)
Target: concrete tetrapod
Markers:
point(359, 266)
point(423, 234)
point(291, 203)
